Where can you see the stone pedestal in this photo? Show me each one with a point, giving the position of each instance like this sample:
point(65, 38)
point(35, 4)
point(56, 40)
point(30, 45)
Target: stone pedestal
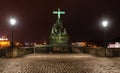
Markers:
point(15, 52)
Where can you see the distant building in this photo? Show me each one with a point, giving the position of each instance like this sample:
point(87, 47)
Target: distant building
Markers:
point(3, 38)
point(115, 45)
point(82, 44)
point(85, 44)
point(4, 42)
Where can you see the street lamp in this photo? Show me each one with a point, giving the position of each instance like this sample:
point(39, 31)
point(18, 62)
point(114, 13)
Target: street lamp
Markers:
point(105, 24)
point(12, 22)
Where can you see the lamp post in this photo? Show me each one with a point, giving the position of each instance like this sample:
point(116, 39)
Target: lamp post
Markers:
point(12, 22)
point(105, 24)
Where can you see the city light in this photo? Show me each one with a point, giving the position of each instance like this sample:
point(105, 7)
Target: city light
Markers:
point(4, 44)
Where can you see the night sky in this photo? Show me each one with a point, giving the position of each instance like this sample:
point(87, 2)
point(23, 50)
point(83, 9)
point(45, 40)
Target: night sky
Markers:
point(82, 19)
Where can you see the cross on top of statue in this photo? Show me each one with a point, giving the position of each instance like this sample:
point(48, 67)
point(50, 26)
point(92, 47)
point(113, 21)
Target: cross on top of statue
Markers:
point(58, 12)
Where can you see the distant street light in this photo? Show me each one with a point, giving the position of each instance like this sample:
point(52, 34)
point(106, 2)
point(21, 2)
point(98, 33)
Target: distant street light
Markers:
point(105, 24)
point(12, 22)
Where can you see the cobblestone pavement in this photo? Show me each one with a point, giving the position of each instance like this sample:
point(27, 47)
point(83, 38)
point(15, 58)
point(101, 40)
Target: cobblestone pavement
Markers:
point(59, 63)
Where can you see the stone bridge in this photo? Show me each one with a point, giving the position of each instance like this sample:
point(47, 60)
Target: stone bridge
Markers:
point(59, 63)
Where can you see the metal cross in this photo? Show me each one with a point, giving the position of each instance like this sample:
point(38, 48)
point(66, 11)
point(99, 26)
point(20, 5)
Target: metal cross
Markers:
point(58, 13)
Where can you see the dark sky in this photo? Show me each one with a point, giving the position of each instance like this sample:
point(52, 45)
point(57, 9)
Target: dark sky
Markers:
point(82, 19)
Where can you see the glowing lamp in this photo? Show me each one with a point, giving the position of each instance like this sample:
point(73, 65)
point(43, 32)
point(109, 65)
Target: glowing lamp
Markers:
point(12, 21)
point(105, 23)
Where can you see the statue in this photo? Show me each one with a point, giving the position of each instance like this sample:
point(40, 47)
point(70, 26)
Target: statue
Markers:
point(59, 39)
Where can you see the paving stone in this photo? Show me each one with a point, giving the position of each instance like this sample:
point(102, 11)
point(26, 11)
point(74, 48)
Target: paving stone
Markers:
point(60, 63)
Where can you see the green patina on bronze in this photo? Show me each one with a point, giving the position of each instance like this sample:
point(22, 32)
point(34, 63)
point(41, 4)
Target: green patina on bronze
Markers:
point(59, 37)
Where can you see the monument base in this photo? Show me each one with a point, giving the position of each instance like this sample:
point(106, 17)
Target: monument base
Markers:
point(60, 49)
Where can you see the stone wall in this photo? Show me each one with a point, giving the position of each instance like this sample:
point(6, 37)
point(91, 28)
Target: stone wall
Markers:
point(15, 52)
point(2, 52)
point(41, 50)
point(24, 51)
point(102, 52)
point(21, 51)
